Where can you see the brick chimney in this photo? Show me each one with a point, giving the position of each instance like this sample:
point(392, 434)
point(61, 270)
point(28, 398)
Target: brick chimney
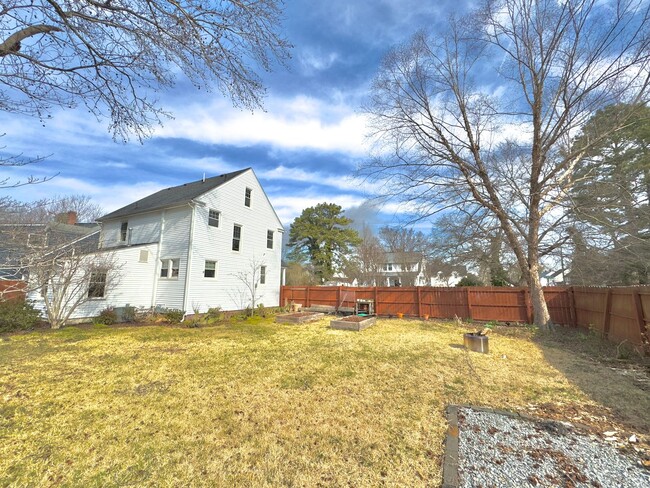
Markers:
point(71, 218)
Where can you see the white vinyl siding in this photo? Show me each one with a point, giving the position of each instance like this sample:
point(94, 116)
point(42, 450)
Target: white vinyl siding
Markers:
point(142, 229)
point(226, 291)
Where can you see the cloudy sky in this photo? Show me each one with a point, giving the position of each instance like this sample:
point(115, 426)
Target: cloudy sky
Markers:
point(304, 147)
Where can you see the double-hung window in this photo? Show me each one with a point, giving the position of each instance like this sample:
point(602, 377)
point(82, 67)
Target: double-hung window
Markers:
point(210, 270)
point(262, 275)
point(247, 197)
point(124, 230)
point(169, 268)
point(97, 285)
point(236, 237)
point(213, 218)
point(269, 239)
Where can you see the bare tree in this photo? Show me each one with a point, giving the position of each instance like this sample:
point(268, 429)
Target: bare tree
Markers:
point(66, 279)
point(368, 260)
point(250, 277)
point(111, 55)
point(484, 114)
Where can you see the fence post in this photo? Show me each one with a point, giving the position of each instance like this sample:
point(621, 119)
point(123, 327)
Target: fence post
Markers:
point(419, 303)
point(606, 313)
point(376, 302)
point(640, 319)
point(572, 307)
point(470, 315)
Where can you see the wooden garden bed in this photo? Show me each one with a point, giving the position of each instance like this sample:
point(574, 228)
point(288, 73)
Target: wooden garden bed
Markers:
point(353, 322)
point(299, 317)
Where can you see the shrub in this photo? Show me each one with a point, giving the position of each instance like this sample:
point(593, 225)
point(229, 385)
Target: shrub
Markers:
point(128, 313)
point(173, 315)
point(108, 316)
point(470, 280)
point(17, 315)
point(214, 314)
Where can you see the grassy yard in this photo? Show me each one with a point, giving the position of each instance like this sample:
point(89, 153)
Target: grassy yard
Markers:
point(262, 404)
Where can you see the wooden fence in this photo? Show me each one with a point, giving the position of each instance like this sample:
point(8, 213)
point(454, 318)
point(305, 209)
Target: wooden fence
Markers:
point(619, 314)
point(12, 289)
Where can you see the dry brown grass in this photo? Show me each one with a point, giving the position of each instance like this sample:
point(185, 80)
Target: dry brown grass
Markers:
point(257, 403)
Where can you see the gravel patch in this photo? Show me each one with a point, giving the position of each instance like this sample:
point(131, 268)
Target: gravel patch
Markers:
point(500, 450)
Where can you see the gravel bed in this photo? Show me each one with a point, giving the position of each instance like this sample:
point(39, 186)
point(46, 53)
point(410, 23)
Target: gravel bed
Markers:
point(497, 450)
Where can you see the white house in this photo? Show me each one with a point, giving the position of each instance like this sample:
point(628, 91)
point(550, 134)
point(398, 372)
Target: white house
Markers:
point(191, 247)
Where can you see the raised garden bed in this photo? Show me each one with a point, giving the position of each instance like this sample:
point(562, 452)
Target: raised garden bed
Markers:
point(299, 317)
point(352, 322)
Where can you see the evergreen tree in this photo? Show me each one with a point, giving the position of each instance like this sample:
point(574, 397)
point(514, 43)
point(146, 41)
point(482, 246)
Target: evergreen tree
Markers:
point(322, 237)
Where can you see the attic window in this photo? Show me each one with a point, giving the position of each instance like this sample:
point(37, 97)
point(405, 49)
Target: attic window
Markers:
point(269, 239)
point(144, 256)
point(124, 229)
point(247, 197)
point(213, 218)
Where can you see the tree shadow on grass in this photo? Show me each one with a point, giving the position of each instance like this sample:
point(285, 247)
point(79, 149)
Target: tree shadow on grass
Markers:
point(618, 381)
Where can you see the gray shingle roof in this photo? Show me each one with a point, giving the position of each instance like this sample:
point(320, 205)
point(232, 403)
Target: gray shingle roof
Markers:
point(173, 196)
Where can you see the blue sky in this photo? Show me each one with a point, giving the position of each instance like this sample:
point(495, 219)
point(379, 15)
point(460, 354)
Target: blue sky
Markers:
point(304, 146)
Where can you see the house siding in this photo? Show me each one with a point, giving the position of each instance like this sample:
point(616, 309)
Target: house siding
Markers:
point(134, 283)
point(226, 290)
point(170, 292)
point(144, 228)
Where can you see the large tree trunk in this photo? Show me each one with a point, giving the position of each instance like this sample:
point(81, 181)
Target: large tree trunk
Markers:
point(541, 316)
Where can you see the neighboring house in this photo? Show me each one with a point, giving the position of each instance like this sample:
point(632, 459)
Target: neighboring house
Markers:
point(191, 247)
point(21, 243)
point(402, 269)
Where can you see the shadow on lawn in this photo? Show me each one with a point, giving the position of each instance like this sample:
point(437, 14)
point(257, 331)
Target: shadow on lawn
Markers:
point(619, 382)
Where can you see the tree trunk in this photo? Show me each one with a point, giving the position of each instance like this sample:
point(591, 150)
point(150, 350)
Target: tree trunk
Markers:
point(541, 317)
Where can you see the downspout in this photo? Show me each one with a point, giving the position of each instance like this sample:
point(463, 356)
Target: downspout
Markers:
point(156, 268)
point(188, 268)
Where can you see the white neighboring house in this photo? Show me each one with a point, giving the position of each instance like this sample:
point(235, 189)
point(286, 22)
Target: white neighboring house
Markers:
point(192, 247)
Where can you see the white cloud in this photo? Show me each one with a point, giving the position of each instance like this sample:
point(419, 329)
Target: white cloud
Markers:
point(296, 123)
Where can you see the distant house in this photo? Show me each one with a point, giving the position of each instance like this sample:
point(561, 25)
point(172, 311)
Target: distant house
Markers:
point(402, 269)
point(192, 247)
point(20, 241)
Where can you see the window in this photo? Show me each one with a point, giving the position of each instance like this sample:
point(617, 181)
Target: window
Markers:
point(236, 237)
point(269, 239)
point(37, 240)
point(388, 267)
point(210, 270)
point(247, 197)
point(213, 218)
point(169, 268)
point(124, 229)
point(144, 256)
point(97, 285)
point(262, 275)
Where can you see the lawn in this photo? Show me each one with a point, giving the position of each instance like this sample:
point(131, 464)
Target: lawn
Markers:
point(254, 403)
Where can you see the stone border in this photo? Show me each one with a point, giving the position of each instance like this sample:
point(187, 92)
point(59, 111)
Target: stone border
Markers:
point(298, 319)
point(348, 325)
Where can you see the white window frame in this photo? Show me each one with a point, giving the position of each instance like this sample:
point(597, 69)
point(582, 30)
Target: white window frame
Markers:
point(248, 197)
point(94, 282)
point(170, 268)
point(214, 269)
point(124, 231)
point(262, 275)
point(236, 226)
point(214, 220)
point(270, 236)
